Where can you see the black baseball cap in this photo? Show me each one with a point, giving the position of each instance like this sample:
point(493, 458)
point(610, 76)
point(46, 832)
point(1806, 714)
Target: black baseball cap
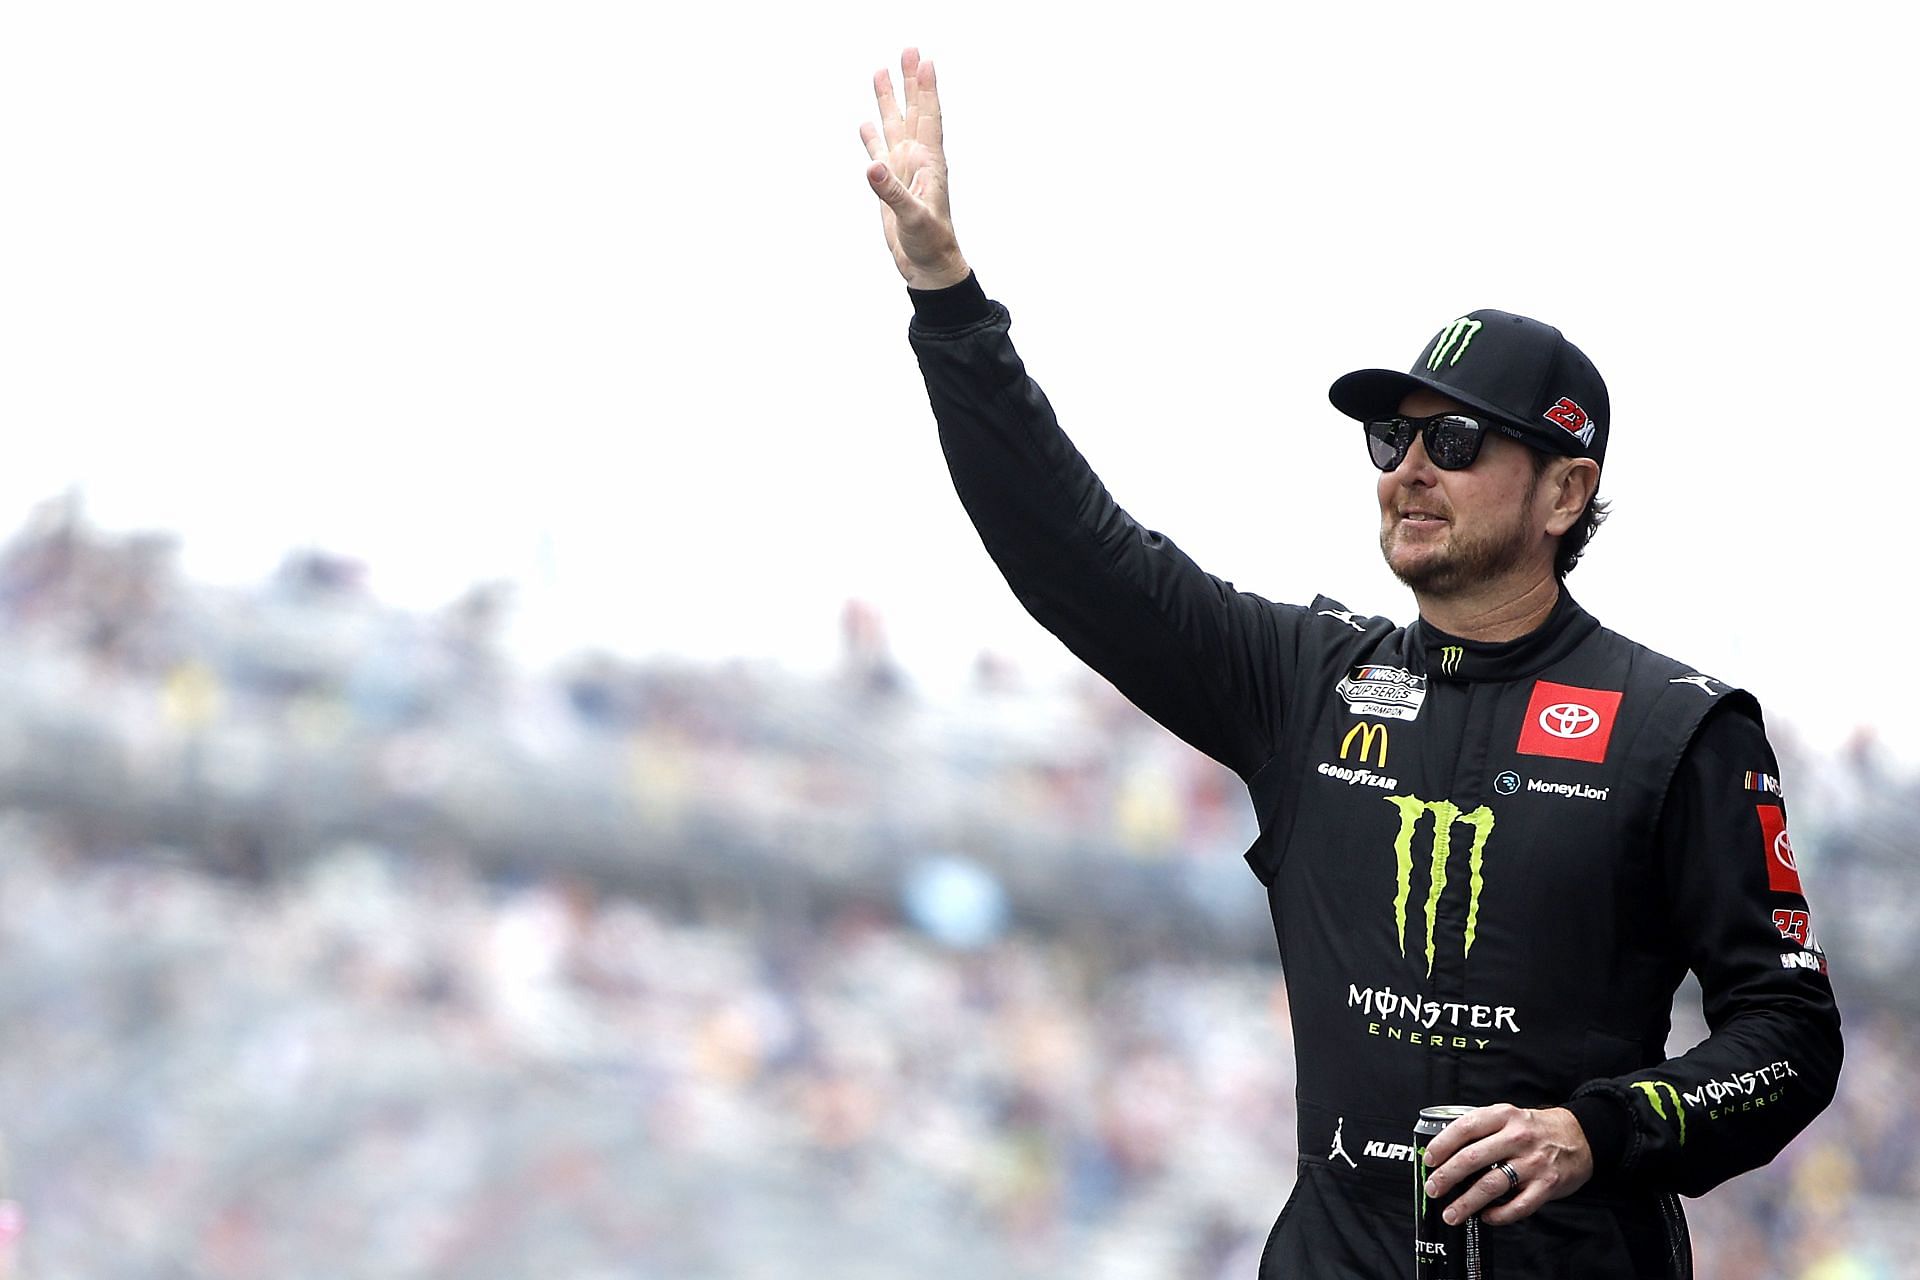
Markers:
point(1520, 371)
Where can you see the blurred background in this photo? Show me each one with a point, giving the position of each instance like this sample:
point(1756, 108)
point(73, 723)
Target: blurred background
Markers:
point(512, 762)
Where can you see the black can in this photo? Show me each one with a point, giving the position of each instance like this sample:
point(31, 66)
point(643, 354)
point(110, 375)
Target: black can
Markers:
point(1441, 1252)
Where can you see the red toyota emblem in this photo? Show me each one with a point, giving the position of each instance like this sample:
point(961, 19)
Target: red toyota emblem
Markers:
point(1569, 720)
point(1782, 875)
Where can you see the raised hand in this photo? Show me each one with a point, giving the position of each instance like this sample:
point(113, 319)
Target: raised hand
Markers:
point(909, 174)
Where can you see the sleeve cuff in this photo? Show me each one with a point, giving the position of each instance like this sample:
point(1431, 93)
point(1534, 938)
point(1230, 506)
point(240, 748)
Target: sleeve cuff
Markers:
point(1608, 1125)
point(954, 307)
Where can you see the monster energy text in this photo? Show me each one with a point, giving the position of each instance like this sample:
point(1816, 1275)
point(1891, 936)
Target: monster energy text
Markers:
point(1744, 1091)
point(1437, 1024)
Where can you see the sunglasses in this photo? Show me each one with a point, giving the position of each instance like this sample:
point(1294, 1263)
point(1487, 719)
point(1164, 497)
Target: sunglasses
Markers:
point(1452, 440)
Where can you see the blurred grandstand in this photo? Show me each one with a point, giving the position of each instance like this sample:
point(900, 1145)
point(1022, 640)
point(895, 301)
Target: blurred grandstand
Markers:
point(332, 944)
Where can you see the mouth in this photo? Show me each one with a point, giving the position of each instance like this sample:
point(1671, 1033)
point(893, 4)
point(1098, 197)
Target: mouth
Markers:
point(1417, 517)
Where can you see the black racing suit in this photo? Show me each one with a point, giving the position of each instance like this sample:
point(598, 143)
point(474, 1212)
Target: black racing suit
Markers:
point(1489, 865)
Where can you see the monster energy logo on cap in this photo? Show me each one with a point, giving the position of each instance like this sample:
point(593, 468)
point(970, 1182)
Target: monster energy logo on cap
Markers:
point(1445, 814)
point(1461, 331)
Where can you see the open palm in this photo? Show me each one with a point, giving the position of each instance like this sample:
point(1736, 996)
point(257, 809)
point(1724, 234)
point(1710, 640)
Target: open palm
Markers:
point(909, 174)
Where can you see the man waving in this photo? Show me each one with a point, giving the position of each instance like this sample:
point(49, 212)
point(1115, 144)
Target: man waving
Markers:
point(1493, 840)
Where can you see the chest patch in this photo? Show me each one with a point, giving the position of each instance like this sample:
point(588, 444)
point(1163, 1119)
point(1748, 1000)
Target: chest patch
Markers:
point(1392, 693)
point(1568, 722)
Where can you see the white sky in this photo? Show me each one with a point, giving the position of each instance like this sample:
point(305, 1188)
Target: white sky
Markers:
point(595, 299)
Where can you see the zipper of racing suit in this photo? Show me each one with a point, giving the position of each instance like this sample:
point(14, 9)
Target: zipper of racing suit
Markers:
point(1679, 1242)
point(1465, 758)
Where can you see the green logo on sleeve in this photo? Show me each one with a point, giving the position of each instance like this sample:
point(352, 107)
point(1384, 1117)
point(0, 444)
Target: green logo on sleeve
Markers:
point(1653, 1090)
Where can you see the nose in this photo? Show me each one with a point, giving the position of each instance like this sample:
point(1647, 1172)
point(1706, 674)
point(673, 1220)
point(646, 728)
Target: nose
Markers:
point(1416, 467)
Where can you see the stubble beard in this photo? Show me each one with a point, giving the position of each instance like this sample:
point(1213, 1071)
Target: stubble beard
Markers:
point(1465, 563)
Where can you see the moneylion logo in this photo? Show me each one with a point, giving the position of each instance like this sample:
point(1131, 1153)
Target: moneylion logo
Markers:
point(1450, 656)
point(1445, 814)
point(1653, 1090)
point(1367, 732)
point(1461, 331)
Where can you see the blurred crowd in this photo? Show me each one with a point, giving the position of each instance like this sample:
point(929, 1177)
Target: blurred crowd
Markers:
point(332, 943)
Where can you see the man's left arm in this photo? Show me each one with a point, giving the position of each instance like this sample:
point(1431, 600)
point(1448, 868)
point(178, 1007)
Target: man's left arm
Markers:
point(1772, 1059)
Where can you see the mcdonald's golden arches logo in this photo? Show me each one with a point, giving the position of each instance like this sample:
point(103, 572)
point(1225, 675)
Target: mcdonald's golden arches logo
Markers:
point(1367, 733)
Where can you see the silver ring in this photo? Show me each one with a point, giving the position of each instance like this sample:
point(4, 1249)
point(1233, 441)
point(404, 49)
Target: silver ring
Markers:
point(1513, 1179)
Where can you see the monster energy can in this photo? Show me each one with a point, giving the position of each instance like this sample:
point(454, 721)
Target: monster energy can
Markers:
point(1441, 1252)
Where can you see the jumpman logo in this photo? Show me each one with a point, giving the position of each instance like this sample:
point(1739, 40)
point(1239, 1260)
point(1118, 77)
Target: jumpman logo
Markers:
point(1340, 1147)
point(1348, 618)
point(1702, 683)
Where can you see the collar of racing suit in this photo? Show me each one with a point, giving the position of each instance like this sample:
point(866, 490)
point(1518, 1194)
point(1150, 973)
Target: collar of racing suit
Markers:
point(1448, 657)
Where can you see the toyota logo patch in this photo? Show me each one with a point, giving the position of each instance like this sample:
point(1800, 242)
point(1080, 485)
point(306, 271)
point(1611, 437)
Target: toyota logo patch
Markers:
point(1783, 876)
point(1570, 720)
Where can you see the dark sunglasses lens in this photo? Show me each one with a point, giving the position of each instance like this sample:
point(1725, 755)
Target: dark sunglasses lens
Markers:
point(1387, 442)
point(1453, 442)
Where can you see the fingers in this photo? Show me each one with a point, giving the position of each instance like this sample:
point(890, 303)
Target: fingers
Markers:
point(1524, 1204)
point(906, 140)
point(1481, 1122)
point(1546, 1150)
point(926, 107)
point(1477, 1194)
point(890, 188)
point(1462, 1157)
point(1467, 1148)
point(890, 121)
point(919, 119)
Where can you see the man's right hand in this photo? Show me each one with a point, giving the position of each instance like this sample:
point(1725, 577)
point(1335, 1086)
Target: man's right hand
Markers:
point(909, 174)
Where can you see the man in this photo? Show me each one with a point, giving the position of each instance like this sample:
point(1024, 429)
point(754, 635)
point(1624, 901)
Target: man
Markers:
point(1493, 840)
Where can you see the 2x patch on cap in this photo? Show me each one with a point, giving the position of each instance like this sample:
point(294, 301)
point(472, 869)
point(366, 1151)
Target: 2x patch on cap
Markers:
point(1571, 418)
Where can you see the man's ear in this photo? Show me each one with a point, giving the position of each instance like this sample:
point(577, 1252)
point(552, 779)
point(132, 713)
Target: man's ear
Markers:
point(1572, 484)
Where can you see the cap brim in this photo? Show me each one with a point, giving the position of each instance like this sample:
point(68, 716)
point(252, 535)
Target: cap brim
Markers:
point(1370, 394)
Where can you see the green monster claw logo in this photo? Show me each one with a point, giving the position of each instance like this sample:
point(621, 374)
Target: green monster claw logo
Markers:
point(1450, 656)
point(1461, 331)
point(1653, 1088)
point(1445, 814)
